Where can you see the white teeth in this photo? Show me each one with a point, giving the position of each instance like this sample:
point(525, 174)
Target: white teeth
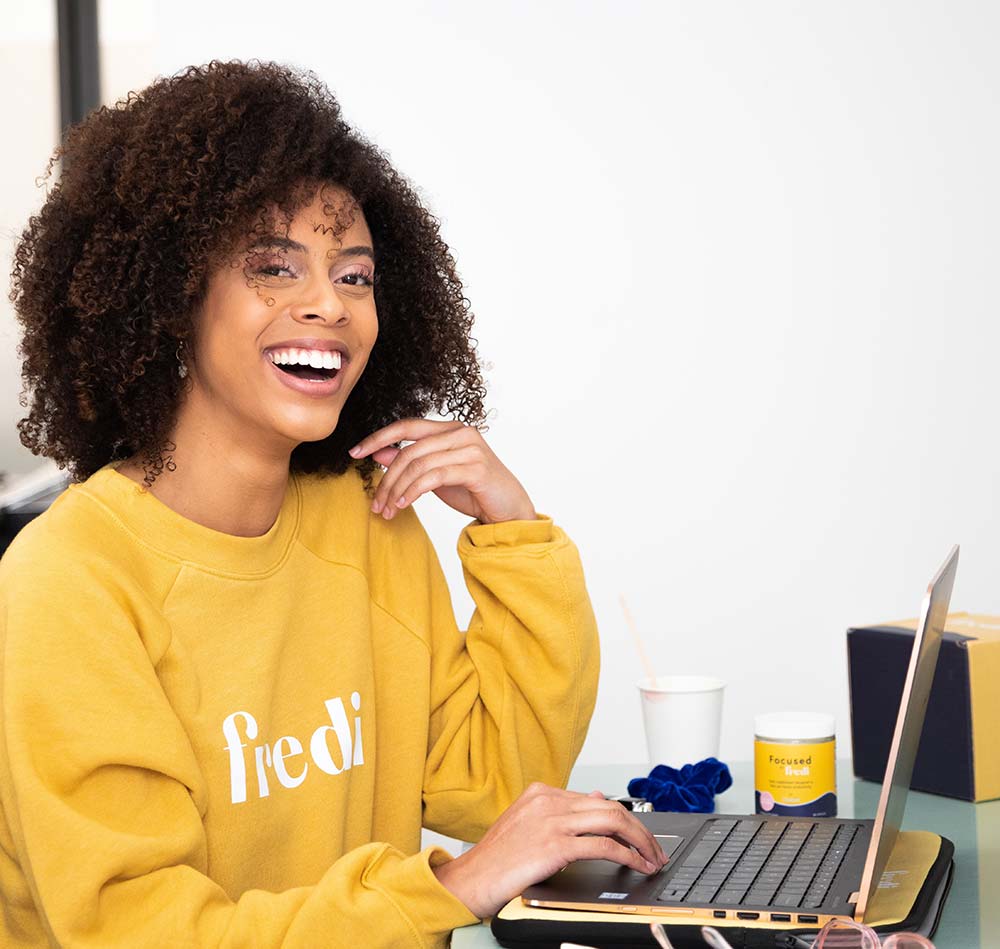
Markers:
point(316, 358)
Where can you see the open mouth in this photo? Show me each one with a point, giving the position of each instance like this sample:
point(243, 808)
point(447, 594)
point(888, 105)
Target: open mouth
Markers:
point(310, 365)
point(309, 373)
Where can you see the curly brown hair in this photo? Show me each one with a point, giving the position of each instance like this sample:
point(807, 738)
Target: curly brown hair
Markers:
point(154, 191)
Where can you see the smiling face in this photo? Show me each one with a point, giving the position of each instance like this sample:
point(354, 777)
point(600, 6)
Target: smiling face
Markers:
point(285, 331)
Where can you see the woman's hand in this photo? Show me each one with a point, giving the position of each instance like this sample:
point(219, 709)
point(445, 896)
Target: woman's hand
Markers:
point(452, 460)
point(540, 833)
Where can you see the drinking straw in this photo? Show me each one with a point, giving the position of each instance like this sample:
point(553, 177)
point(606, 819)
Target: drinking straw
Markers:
point(646, 664)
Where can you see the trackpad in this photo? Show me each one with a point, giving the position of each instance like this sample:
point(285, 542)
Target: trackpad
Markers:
point(669, 844)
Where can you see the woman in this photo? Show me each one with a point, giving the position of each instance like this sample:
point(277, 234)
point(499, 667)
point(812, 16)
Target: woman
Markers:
point(232, 685)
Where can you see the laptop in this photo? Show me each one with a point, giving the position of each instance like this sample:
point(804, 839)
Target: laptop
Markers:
point(760, 869)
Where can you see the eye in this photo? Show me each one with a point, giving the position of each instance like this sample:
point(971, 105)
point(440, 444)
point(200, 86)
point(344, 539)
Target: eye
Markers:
point(357, 275)
point(269, 267)
point(275, 270)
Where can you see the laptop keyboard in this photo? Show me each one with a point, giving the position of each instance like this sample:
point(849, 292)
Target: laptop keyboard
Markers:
point(766, 862)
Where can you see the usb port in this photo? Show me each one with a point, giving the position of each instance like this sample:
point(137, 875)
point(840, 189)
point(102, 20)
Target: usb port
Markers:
point(719, 913)
point(808, 919)
point(740, 915)
point(781, 917)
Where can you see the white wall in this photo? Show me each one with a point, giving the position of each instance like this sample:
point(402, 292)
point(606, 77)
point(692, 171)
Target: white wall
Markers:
point(734, 268)
point(30, 116)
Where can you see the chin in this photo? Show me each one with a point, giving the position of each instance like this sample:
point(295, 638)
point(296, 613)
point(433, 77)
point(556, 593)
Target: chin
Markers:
point(311, 430)
point(316, 435)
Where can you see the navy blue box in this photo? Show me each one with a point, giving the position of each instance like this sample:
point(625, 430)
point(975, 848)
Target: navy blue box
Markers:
point(964, 681)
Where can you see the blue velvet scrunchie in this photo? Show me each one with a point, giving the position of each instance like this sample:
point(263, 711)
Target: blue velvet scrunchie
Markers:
point(691, 789)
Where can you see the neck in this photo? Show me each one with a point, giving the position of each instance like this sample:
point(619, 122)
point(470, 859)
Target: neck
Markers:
point(219, 483)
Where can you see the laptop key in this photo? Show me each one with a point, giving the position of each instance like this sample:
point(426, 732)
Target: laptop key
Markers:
point(715, 833)
point(700, 854)
point(671, 896)
point(701, 894)
point(731, 895)
point(788, 897)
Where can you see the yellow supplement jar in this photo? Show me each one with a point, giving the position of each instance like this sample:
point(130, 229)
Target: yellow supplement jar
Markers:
point(795, 764)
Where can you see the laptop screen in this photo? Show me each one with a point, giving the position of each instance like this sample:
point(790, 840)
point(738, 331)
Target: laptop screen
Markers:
point(909, 724)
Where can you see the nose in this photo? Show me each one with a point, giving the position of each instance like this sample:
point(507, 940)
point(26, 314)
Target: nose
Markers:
point(320, 303)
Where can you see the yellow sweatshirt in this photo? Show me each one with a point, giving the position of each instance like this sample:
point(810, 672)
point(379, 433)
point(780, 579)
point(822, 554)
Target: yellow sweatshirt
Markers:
point(209, 740)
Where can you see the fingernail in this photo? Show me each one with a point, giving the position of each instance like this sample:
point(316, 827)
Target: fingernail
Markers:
point(355, 451)
point(650, 867)
point(401, 502)
point(376, 507)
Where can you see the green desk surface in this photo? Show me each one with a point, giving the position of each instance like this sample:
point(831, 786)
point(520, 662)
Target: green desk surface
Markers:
point(971, 917)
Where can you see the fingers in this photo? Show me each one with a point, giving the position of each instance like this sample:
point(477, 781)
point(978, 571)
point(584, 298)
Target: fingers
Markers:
point(438, 459)
point(607, 848)
point(454, 447)
point(416, 476)
point(544, 830)
point(407, 429)
point(593, 814)
point(386, 456)
point(610, 819)
point(596, 815)
point(440, 454)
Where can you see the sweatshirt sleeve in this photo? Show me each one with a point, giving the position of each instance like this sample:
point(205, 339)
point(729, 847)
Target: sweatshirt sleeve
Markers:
point(102, 800)
point(511, 700)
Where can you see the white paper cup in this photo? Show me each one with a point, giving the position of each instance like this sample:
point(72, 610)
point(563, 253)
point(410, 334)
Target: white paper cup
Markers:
point(683, 718)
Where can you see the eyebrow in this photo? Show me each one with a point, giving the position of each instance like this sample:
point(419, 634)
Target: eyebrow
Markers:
point(358, 250)
point(286, 243)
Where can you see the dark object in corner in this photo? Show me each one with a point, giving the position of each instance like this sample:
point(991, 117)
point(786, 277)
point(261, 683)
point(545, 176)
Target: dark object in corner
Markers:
point(26, 498)
point(10, 524)
point(958, 749)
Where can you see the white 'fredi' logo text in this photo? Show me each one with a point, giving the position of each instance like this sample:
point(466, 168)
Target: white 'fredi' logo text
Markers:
point(278, 757)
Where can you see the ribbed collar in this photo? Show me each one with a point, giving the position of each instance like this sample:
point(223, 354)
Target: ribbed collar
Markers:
point(163, 529)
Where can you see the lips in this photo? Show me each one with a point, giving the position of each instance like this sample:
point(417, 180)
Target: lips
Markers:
point(310, 366)
point(311, 382)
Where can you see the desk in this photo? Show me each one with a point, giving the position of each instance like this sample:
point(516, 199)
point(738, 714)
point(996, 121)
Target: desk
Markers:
point(971, 918)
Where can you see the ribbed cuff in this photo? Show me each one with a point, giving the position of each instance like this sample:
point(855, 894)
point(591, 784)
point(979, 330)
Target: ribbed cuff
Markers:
point(429, 904)
point(510, 533)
